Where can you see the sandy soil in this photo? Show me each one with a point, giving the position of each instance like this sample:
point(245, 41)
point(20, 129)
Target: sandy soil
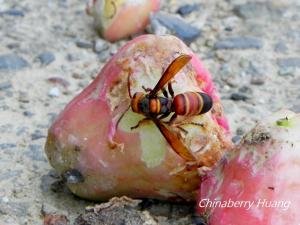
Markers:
point(253, 82)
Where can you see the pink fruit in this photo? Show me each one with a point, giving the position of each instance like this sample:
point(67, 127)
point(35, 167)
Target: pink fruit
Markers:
point(100, 161)
point(117, 19)
point(259, 181)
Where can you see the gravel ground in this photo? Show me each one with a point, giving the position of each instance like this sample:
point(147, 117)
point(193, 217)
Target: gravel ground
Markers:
point(48, 55)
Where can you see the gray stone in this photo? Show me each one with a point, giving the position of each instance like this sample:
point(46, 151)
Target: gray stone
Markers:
point(73, 57)
point(5, 85)
point(236, 139)
point(250, 10)
point(255, 68)
point(37, 135)
point(256, 80)
point(296, 108)
point(238, 96)
point(100, 45)
point(59, 81)
point(255, 10)
point(23, 97)
point(293, 35)
point(13, 12)
point(289, 62)
point(46, 58)
point(35, 152)
point(21, 130)
point(187, 9)
point(9, 174)
point(286, 71)
point(28, 114)
point(280, 47)
point(18, 209)
point(246, 90)
point(4, 146)
point(13, 45)
point(6, 128)
point(240, 131)
point(52, 116)
point(83, 43)
point(12, 62)
point(240, 42)
point(54, 92)
point(103, 56)
point(177, 26)
point(48, 179)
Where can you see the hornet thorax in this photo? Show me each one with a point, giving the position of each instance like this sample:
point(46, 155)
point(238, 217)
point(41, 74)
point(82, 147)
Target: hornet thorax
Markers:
point(150, 105)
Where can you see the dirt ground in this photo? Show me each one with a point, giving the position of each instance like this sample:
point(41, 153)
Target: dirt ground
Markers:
point(251, 48)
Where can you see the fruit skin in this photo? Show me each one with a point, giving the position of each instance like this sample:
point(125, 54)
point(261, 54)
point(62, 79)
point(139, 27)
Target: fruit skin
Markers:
point(100, 161)
point(263, 169)
point(117, 19)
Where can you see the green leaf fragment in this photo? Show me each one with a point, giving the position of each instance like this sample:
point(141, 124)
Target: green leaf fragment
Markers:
point(284, 122)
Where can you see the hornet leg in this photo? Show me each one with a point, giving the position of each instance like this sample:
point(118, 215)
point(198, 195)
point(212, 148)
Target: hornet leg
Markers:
point(170, 88)
point(139, 123)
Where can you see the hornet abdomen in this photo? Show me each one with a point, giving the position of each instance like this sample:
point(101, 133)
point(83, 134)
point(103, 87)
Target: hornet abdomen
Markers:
point(191, 103)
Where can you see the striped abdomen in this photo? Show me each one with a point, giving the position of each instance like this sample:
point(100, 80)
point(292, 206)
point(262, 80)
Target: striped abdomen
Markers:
point(143, 104)
point(191, 103)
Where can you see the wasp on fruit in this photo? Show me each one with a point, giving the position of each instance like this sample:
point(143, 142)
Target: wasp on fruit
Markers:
point(156, 108)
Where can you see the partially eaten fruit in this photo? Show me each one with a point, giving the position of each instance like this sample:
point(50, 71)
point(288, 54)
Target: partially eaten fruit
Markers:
point(92, 144)
point(257, 182)
point(117, 19)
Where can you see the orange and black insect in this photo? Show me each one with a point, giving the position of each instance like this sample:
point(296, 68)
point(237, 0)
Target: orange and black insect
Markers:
point(156, 108)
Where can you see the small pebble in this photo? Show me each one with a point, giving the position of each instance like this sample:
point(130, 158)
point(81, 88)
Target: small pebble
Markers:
point(289, 62)
point(187, 9)
point(177, 26)
point(21, 130)
point(13, 45)
point(48, 179)
point(77, 75)
point(5, 85)
point(73, 57)
point(28, 114)
point(35, 152)
point(198, 220)
point(250, 10)
point(280, 47)
point(52, 117)
point(83, 43)
point(5, 199)
point(242, 42)
point(238, 96)
point(296, 108)
point(4, 146)
point(286, 71)
point(255, 80)
point(12, 62)
point(104, 55)
point(236, 139)
point(23, 97)
point(54, 92)
point(58, 80)
point(8, 174)
point(255, 68)
point(46, 58)
point(12, 12)
point(37, 135)
point(245, 90)
point(240, 131)
point(100, 45)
